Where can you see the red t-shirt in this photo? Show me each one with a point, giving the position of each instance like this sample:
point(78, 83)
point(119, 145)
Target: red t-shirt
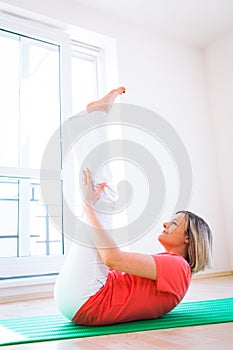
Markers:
point(126, 297)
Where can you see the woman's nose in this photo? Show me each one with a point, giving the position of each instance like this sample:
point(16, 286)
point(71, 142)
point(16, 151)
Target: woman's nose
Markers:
point(165, 224)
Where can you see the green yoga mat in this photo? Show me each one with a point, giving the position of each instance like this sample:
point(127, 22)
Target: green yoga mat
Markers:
point(55, 327)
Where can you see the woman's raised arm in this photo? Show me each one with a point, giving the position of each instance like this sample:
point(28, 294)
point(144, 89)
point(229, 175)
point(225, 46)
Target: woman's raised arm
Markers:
point(138, 264)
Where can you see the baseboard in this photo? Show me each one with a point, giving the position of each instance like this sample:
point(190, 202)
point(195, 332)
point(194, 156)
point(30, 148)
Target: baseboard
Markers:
point(26, 297)
point(25, 291)
point(213, 274)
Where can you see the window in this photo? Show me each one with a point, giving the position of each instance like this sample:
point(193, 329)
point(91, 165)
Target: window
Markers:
point(37, 94)
point(86, 75)
point(30, 87)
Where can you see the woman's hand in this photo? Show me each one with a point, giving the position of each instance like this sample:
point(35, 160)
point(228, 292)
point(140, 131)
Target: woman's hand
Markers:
point(91, 195)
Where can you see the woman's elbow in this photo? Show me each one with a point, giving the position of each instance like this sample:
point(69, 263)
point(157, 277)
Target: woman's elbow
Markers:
point(111, 258)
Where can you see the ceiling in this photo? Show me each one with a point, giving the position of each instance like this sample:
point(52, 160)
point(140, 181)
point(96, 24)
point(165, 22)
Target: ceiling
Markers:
point(195, 22)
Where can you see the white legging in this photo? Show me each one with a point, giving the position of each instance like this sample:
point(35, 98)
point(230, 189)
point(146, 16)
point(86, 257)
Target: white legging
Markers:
point(83, 272)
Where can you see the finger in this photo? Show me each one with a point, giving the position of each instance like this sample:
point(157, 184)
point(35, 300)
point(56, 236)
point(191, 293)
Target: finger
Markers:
point(89, 178)
point(101, 187)
point(84, 177)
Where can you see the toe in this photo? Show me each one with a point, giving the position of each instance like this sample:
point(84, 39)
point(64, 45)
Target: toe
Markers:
point(121, 90)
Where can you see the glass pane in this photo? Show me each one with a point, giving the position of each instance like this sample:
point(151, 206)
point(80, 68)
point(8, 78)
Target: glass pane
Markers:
point(8, 208)
point(83, 83)
point(38, 248)
point(8, 247)
point(38, 229)
point(54, 234)
point(9, 218)
point(43, 233)
point(9, 106)
point(55, 248)
point(8, 189)
point(40, 99)
point(42, 244)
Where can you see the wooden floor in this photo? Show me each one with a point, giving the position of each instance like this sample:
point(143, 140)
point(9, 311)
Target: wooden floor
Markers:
point(216, 336)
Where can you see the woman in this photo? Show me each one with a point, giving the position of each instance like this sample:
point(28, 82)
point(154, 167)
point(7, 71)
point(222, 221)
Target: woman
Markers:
point(105, 285)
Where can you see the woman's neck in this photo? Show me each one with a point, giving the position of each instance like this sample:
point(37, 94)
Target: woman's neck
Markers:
point(179, 251)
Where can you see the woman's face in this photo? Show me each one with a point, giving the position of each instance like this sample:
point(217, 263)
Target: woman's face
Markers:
point(174, 233)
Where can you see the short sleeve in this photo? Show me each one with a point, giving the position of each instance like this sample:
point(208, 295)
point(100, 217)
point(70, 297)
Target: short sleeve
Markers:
point(174, 274)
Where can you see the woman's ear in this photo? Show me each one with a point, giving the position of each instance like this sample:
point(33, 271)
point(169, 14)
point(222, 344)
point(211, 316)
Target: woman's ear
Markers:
point(186, 240)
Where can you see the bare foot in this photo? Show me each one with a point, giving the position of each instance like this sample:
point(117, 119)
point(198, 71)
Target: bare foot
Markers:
point(105, 103)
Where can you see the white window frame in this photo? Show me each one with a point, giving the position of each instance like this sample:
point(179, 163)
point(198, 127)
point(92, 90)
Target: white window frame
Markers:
point(20, 266)
point(62, 36)
point(92, 53)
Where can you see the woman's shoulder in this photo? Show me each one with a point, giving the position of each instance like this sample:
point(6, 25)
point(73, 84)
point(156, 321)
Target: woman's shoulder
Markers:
point(167, 258)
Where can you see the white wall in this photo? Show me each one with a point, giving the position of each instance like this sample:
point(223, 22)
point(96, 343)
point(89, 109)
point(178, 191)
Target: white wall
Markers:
point(169, 78)
point(219, 65)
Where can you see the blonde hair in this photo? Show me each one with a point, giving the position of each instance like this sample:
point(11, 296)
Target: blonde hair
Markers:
point(200, 242)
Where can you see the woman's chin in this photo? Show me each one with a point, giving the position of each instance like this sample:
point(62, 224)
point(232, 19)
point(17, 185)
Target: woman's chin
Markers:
point(161, 237)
